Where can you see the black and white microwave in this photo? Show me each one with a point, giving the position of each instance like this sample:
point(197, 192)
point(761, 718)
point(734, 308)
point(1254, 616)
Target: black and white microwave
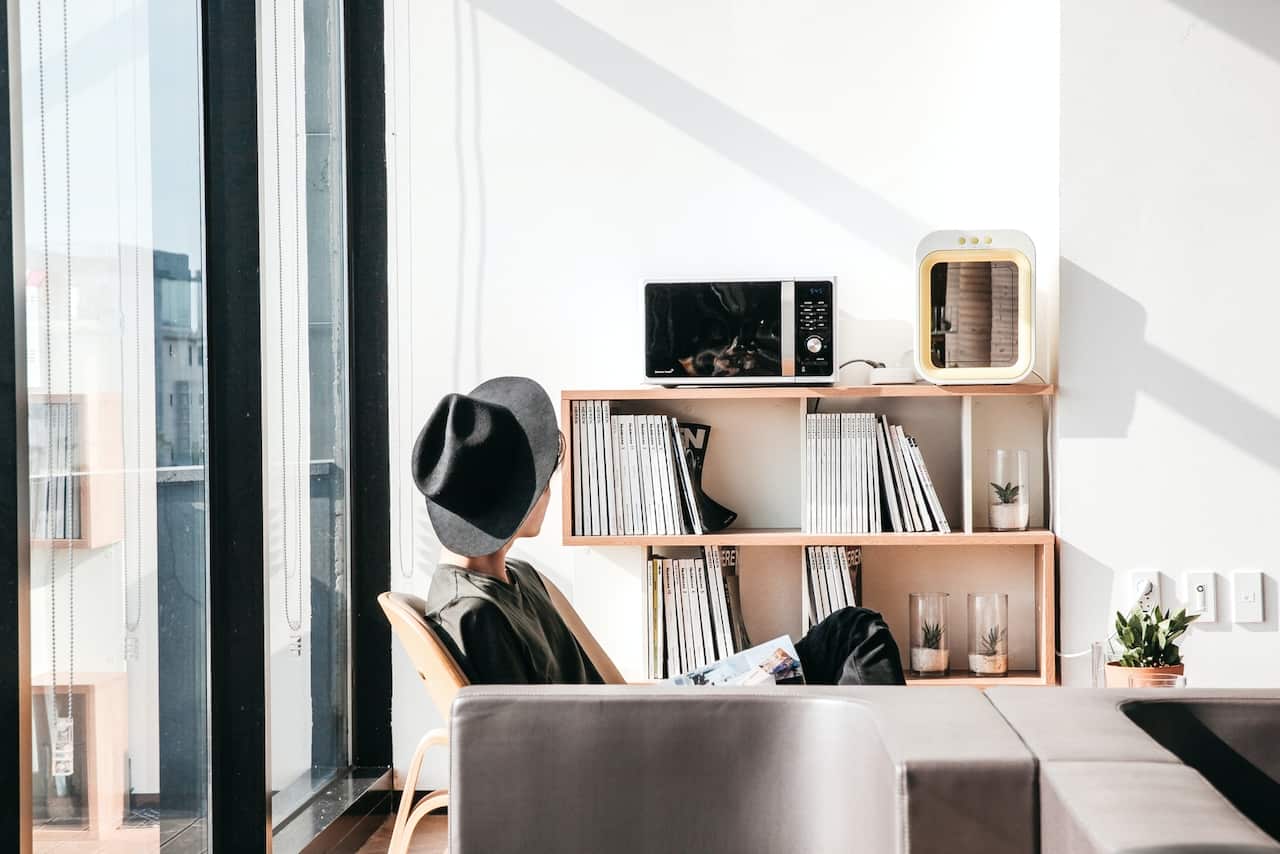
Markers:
point(756, 331)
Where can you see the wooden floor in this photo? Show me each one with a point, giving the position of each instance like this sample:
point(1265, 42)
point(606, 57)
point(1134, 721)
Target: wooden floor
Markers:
point(431, 837)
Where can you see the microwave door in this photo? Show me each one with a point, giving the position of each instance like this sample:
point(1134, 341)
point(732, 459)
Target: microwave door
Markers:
point(714, 332)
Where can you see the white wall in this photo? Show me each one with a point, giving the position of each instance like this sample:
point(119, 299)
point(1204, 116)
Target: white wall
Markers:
point(1169, 414)
point(547, 157)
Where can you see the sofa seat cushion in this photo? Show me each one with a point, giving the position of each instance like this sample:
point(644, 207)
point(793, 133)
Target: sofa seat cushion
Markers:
point(1112, 807)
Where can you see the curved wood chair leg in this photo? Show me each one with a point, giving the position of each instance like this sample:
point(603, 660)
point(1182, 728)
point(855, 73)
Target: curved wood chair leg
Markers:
point(403, 830)
point(432, 801)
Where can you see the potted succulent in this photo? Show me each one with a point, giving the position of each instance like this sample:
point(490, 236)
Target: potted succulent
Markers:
point(930, 653)
point(1009, 476)
point(988, 634)
point(1009, 510)
point(1148, 648)
point(990, 658)
point(930, 656)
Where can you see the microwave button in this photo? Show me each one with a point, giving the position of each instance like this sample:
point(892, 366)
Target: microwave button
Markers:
point(813, 344)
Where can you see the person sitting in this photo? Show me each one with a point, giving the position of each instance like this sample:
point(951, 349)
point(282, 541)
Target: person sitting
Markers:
point(484, 462)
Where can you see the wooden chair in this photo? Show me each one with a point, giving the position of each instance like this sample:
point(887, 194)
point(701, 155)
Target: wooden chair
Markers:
point(443, 678)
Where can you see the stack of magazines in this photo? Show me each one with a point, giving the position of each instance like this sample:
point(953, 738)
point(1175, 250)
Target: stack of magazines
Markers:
point(693, 612)
point(864, 475)
point(631, 474)
point(832, 575)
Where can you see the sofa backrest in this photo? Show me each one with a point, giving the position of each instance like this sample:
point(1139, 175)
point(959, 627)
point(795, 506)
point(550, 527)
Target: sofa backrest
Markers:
point(1233, 742)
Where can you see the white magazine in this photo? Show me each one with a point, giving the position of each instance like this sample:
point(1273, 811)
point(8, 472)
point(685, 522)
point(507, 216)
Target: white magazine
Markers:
point(916, 491)
point(877, 523)
point(636, 475)
point(589, 469)
point(713, 600)
point(646, 483)
point(610, 480)
point(890, 480)
point(704, 608)
point(842, 560)
point(576, 418)
point(662, 424)
point(669, 617)
point(931, 494)
point(662, 496)
point(910, 514)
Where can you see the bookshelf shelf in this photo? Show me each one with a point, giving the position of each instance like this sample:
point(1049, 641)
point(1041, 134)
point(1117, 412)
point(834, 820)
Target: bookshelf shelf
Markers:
point(787, 537)
point(1014, 677)
point(811, 392)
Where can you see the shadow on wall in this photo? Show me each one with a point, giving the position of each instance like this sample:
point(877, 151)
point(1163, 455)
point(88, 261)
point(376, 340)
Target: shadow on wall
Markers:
point(1113, 363)
point(1257, 24)
point(860, 211)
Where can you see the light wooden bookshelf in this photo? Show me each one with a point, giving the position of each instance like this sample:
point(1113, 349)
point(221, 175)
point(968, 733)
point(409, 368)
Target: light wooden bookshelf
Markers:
point(965, 549)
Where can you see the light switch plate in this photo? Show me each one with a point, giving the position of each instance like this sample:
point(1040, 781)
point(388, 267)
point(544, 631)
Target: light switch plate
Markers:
point(1246, 596)
point(1202, 596)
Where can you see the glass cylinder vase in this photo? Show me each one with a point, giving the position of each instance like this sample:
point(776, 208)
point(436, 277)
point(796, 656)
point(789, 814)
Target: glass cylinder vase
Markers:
point(1008, 488)
point(930, 653)
point(988, 634)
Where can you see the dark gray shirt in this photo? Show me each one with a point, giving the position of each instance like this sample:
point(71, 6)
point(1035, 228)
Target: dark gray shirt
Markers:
point(507, 633)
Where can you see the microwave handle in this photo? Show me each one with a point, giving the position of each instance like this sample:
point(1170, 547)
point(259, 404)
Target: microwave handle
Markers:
point(788, 329)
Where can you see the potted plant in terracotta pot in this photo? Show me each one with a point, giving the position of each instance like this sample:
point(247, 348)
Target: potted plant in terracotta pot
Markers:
point(1148, 648)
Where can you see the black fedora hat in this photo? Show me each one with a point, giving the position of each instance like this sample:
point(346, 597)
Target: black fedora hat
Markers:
point(483, 460)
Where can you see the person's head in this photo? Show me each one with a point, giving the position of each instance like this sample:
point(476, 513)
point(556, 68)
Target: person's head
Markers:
point(533, 522)
point(484, 462)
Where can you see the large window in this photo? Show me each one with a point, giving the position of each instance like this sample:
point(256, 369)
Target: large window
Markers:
point(151, 571)
point(115, 371)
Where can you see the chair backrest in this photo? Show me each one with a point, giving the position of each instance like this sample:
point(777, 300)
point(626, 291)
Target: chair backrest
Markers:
point(607, 669)
point(435, 664)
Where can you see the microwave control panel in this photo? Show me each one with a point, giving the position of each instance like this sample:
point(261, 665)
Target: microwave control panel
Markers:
point(815, 336)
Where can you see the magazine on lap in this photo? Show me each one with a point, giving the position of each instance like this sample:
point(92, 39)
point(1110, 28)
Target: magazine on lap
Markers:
point(775, 662)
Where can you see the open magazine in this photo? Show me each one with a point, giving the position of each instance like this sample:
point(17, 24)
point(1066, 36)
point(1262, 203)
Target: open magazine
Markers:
point(775, 662)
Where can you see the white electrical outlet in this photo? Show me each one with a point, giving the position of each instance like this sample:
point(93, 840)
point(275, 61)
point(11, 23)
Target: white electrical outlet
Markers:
point(1145, 585)
point(1202, 596)
point(1246, 596)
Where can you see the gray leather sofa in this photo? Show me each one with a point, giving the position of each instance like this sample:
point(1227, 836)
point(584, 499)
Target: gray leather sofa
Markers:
point(1152, 771)
point(917, 769)
point(723, 771)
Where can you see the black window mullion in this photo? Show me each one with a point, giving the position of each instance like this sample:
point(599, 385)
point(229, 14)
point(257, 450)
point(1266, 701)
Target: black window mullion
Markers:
point(15, 664)
point(370, 472)
point(240, 797)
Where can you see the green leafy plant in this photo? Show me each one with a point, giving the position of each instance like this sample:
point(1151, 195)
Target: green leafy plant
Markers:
point(1148, 639)
point(1007, 494)
point(931, 635)
point(990, 643)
